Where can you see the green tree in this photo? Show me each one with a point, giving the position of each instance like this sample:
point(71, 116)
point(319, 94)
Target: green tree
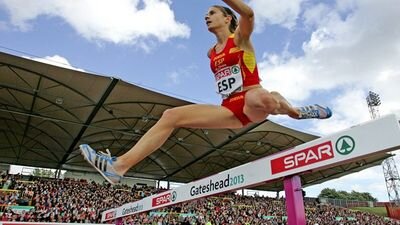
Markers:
point(328, 193)
point(353, 195)
point(369, 197)
point(343, 195)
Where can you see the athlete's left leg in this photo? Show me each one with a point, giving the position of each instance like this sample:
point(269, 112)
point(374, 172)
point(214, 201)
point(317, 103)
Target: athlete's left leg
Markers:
point(188, 116)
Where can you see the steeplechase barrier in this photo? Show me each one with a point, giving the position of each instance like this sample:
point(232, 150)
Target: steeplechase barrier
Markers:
point(355, 143)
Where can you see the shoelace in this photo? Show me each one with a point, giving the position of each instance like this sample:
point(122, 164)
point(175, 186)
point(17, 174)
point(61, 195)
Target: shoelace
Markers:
point(106, 155)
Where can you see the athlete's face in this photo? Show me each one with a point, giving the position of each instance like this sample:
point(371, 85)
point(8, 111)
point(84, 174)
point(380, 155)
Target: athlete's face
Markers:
point(215, 18)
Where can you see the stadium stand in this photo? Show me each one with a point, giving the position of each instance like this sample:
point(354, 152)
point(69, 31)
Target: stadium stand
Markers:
point(81, 201)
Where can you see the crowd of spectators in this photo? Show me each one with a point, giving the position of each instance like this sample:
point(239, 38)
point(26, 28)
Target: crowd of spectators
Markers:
point(79, 201)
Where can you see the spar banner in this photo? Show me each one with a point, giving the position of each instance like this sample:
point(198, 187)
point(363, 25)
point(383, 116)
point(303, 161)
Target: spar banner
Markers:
point(361, 141)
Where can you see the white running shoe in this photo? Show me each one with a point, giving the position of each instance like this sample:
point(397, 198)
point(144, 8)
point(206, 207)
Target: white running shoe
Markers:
point(102, 162)
point(314, 112)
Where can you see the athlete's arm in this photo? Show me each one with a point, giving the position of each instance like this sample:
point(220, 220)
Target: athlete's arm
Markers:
point(246, 20)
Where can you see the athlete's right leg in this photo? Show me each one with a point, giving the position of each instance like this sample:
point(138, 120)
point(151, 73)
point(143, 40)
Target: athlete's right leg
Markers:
point(259, 103)
point(190, 116)
point(284, 107)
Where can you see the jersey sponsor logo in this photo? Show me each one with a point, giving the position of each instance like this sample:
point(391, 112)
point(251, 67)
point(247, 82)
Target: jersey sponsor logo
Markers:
point(236, 98)
point(305, 157)
point(219, 56)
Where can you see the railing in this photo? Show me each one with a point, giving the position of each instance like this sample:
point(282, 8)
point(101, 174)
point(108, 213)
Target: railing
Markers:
point(22, 195)
point(347, 203)
point(4, 207)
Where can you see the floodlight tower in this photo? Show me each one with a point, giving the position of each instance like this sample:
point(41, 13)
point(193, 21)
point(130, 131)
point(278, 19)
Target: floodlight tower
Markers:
point(389, 166)
point(373, 101)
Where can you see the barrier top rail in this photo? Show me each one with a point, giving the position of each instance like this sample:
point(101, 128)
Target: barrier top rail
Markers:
point(360, 141)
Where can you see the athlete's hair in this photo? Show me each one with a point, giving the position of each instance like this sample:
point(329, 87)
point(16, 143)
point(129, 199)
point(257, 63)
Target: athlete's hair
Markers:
point(228, 12)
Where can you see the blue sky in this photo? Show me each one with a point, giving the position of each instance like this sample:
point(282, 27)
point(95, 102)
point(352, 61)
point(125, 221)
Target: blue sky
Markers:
point(327, 52)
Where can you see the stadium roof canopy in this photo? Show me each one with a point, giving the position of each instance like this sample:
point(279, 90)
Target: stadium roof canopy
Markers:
point(47, 111)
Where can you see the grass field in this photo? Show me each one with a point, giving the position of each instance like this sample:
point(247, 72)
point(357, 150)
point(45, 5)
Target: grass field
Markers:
point(380, 211)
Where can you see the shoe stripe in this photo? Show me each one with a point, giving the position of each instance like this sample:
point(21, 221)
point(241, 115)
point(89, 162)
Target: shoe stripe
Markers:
point(100, 164)
point(104, 165)
point(96, 161)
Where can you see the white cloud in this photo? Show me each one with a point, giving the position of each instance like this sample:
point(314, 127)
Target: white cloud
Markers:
point(350, 108)
point(176, 77)
point(350, 53)
point(55, 60)
point(120, 22)
point(284, 13)
point(313, 15)
point(354, 47)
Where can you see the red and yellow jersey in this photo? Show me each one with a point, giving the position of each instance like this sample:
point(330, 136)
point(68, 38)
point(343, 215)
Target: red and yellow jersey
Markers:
point(233, 68)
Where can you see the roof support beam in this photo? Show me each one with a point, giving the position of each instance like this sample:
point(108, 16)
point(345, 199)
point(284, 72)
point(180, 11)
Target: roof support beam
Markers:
point(96, 109)
point(28, 122)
